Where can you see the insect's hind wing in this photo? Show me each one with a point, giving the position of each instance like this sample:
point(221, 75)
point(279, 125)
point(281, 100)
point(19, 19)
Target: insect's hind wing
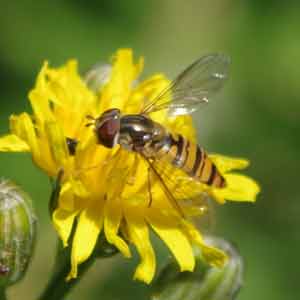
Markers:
point(192, 87)
point(187, 192)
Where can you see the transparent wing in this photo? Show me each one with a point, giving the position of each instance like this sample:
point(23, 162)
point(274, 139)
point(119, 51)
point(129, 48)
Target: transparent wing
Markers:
point(184, 193)
point(182, 186)
point(192, 87)
point(189, 195)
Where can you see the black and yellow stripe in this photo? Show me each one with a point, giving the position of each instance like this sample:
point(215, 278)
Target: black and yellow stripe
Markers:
point(194, 161)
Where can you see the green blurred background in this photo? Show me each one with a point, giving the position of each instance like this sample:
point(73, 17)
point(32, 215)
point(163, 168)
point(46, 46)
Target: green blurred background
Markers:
point(256, 116)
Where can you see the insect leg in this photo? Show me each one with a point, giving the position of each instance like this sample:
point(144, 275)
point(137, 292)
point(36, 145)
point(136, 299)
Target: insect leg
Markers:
point(149, 188)
point(168, 193)
point(132, 174)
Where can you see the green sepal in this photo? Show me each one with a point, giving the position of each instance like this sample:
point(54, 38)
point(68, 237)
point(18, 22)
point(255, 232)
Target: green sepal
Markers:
point(56, 188)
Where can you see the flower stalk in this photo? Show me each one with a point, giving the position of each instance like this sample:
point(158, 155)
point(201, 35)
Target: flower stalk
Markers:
point(3, 293)
point(58, 287)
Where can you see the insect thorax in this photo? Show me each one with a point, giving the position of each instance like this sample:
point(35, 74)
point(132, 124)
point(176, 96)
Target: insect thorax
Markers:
point(140, 134)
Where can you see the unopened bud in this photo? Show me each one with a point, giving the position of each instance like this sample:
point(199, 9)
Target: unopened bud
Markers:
point(17, 232)
point(97, 76)
point(206, 282)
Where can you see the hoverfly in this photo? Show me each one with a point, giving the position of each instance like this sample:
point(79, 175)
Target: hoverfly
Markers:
point(140, 134)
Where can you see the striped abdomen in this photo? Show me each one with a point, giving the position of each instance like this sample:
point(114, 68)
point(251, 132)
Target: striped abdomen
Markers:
point(193, 160)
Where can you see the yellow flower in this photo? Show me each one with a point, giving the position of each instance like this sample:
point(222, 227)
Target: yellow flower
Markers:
point(106, 190)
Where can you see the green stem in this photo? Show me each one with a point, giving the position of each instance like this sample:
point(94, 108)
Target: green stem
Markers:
point(58, 287)
point(3, 293)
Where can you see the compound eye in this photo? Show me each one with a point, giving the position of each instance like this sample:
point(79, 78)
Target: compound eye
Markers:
point(108, 133)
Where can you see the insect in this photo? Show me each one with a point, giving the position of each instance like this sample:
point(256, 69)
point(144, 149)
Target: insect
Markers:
point(139, 133)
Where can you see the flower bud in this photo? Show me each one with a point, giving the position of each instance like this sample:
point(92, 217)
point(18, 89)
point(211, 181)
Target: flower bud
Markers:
point(17, 232)
point(97, 76)
point(206, 282)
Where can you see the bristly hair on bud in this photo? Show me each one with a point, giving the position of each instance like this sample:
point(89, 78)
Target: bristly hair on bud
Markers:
point(17, 232)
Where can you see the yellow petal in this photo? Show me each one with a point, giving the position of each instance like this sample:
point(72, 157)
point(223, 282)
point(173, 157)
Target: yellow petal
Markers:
point(59, 82)
point(63, 217)
point(40, 83)
point(79, 188)
point(239, 188)
point(41, 108)
point(87, 231)
point(138, 176)
point(144, 93)
point(23, 127)
point(124, 72)
point(39, 98)
point(12, 143)
point(63, 221)
point(112, 220)
point(71, 99)
point(175, 239)
point(139, 235)
point(212, 255)
point(66, 197)
point(57, 143)
point(226, 163)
